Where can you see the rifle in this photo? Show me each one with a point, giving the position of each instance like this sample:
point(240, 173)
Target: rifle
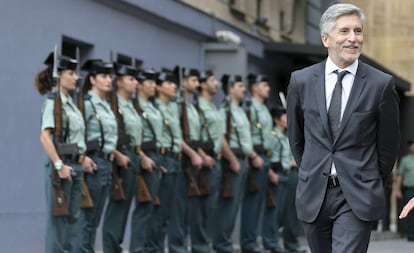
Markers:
point(123, 143)
point(86, 199)
point(270, 199)
point(207, 146)
point(143, 194)
point(60, 206)
point(192, 186)
point(227, 187)
point(251, 180)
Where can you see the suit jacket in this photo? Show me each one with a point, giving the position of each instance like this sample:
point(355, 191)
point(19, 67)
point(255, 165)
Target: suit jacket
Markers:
point(364, 151)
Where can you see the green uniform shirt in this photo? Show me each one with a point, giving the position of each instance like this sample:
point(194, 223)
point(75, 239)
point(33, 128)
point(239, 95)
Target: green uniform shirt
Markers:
point(133, 122)
point(70, 112)
point(149, 112)
point(261, 124)
point(281, 149)
point(406, 170)
point(240, 128)
point(194, 124)
point(171, 136)
point(212, 123)
point(107, 119)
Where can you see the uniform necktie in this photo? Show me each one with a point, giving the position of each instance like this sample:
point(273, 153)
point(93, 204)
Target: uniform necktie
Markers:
point(334, 112)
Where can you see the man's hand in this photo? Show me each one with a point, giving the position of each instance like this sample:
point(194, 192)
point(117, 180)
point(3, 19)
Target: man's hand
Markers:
point(273, 177)
point(257, 161)
point(122, 160)
point(235, 166)
point(407, 208)
point(89, 166)
point(208, 161)
point(196, 160)
point(147, 163)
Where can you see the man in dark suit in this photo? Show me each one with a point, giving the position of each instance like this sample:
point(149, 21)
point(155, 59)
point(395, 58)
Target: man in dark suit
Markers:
point(344, 133)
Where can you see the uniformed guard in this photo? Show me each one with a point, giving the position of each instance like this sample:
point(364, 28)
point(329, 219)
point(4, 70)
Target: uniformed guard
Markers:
point(101, 137)
point(289, 218)
point(129, 141)
point(234, 170)
point(261, 130)
point(170, 153)
point(63, 139)
point(288, 179)
point(278, 176)
point(211, 136)
point(148, 178)
point(187, 189)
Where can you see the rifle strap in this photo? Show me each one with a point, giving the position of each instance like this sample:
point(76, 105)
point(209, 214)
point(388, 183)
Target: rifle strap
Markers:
point(98, 118)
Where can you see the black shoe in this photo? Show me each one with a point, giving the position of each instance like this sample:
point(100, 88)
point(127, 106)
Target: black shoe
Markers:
point(277, 250)
point(298, 250)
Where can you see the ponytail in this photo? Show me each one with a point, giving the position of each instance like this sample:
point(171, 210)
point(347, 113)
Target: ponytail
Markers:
point(44, 81)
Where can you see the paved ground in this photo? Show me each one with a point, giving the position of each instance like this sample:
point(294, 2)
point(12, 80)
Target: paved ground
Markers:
point(383, 246)
point(391, 246)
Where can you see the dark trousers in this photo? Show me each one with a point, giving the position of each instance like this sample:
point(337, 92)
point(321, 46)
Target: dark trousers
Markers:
point(289, 217)
point(202, 211)
point(337, 229)
point(251, 207)
point(229, 207)
point(62, 232)
point(140, 219)
point(161, 215)
point(272, 217)
point(178, 229)
point(99, 187)
point(116, 214)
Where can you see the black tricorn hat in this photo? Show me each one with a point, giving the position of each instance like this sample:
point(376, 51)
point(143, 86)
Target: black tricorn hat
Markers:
point(190, 72)
point(64, 62)
point(227, 81)
point(146, 74)
point(277, 111)
point(256, 78)
point(205, 75)
point(124, 70)
point(97, 66)
point(166, 75)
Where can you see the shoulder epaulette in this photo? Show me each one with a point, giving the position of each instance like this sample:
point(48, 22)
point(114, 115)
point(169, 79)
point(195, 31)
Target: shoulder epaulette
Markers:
point(86, 97)
point(51, 95)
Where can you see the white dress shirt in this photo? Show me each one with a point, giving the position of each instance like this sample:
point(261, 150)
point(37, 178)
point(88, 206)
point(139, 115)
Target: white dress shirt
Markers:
point(347, 83)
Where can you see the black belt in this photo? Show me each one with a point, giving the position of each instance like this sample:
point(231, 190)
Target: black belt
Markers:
point(262, 151)
point(238, 153)
point(213, 154)
point(78, 158)
point(333, 181)
point(149, 146)
point(107, 156)
point(167, 152)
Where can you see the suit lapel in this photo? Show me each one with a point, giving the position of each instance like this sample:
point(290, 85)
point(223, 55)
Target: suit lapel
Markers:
point(319, 81)
point(357, 87)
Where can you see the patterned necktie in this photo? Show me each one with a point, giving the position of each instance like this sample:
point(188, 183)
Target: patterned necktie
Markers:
point(334, 112)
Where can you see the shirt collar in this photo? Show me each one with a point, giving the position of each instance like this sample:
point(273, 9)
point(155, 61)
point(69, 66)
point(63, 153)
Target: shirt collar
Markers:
point(95, 97)
point(122, 101)
point(65, 98)
point(331, 67)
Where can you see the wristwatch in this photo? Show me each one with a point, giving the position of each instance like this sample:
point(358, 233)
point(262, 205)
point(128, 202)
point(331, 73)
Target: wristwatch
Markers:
point(58, 165)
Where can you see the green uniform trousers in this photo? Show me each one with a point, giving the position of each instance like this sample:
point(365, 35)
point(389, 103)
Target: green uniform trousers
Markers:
point(62, 232)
